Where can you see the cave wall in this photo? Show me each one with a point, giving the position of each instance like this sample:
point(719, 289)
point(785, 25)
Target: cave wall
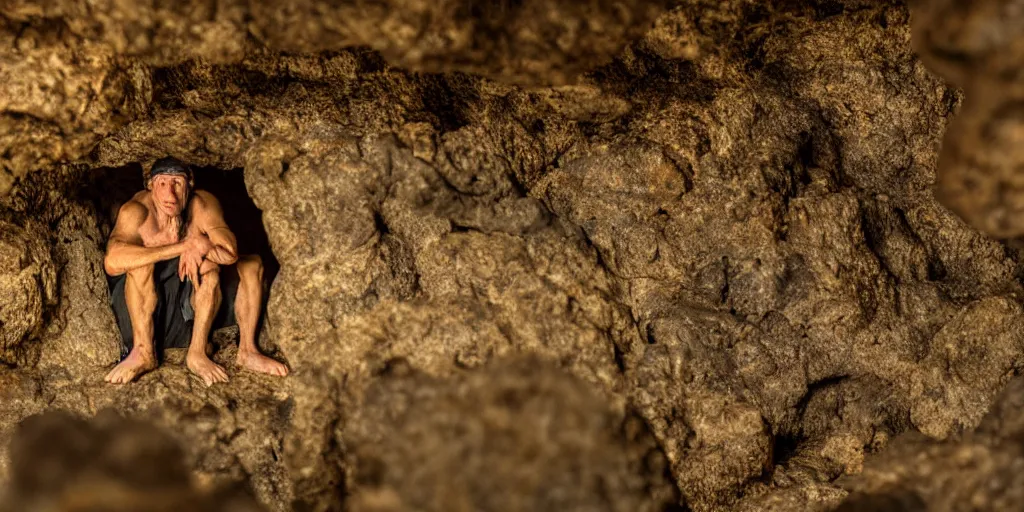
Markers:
point(709, 262)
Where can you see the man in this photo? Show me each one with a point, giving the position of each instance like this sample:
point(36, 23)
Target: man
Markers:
point(171, 254)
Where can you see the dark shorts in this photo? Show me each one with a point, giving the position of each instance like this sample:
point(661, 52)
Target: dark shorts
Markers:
point(173, 318)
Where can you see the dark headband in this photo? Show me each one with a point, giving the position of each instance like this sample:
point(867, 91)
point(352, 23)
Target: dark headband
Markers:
point(170, 165)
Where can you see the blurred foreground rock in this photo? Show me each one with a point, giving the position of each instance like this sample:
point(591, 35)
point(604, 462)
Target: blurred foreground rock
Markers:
point(519, 435)
point(62, 463)
point(979, 46)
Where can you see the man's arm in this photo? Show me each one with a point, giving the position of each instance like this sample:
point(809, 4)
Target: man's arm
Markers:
point(125, 250)
point(209, 220)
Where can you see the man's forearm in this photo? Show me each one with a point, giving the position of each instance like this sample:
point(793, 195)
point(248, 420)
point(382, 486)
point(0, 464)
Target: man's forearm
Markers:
point(122, 257)
point(221, 255)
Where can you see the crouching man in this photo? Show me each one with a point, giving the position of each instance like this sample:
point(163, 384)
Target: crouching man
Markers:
point(178, 276)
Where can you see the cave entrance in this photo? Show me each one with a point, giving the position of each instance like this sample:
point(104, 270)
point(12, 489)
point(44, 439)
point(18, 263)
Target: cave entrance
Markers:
point(110, 188)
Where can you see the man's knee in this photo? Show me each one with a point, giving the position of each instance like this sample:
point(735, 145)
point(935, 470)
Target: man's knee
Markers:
point(139, 291)
point(141, 274)
point(250, 266)
point(209, 279)
point(208, 290)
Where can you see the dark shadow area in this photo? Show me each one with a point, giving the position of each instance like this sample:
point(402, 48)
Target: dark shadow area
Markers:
point(240, 212)
point(108, 189)
point(784, 447)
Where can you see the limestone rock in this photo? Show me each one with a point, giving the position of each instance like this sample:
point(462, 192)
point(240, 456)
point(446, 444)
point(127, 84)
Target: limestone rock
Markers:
point(535, 42)
point(978, 472)
point(58, 98)
point(28, 283)
point(20, 396)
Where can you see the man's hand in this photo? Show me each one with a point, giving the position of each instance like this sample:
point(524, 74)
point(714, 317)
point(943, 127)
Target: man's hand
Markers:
point(197, 245)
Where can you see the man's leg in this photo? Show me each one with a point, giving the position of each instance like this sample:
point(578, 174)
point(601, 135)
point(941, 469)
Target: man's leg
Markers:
point(140, 297)
point(205, 301)
point(248, 302)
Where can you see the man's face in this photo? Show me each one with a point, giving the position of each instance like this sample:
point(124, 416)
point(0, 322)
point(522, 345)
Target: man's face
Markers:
point(169, 193)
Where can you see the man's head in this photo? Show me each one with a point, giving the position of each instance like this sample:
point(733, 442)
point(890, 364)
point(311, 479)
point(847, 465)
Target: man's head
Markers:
point(171, 182)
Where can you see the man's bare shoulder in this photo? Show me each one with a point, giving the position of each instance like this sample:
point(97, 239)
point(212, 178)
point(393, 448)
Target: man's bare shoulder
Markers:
point(204, 203)
point(203, 197)
point(130, 218)
point(134, 209)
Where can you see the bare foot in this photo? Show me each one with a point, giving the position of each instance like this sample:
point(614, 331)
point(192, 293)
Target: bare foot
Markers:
point(134, 365)
point(202, 366)
point(257, 362)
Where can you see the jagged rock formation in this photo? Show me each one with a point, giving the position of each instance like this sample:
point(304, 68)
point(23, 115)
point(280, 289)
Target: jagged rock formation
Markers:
point(73, 73)
point(703, 269)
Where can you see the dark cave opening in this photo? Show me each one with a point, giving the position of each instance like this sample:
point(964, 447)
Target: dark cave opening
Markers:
point(109, 188)
point(784, 447)
point(242, 215)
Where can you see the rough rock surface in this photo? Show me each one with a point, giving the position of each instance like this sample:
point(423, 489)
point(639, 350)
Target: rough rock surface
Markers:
point(230, 434)
point(71, 73)
point(982, 471)
point(702, 242)
point(29, 284)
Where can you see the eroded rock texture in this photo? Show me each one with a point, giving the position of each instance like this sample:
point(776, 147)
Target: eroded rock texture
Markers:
point(981, 472)
point(588, 256)
point(72, 73)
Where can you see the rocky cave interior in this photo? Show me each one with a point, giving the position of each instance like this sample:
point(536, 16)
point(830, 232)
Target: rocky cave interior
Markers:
point(530, 255)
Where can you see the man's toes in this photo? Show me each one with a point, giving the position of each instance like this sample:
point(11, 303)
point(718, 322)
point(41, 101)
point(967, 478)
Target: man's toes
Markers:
point(277, 369)
point(213, 375)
